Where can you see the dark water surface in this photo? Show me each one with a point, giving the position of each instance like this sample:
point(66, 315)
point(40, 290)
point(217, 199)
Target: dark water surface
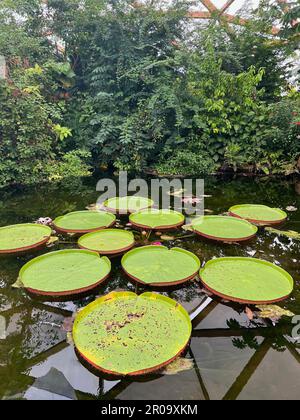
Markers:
point(233, 358)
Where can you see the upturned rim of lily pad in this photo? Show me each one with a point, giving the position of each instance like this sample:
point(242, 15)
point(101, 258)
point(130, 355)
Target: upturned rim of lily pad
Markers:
point(231, 219)
point(282, 215)
point(118, 210)
point(61, 229)
point(157, 248)
point(145, 212)
point(71, 292)
point(289, 279)
point(34, 246)
point(103, 232)
point(178, 308)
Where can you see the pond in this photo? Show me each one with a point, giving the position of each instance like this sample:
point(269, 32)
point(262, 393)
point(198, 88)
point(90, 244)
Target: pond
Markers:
point(232, 356)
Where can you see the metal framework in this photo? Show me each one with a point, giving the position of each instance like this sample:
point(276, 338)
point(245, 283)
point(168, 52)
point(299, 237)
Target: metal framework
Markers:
point(213, 12)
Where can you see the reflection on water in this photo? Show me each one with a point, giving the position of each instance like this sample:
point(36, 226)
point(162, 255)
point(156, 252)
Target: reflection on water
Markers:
point(233, 357)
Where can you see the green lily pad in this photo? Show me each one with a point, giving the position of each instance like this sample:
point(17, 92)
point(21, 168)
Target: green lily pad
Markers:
point(247, 280)
point(259, 214)
point(23, 237)
point(157, 219)
point(126, 334)
point(108, 241)
point(84, 221)
point(223, 228)
point(127, 205)
point(66, 272)
point(160, 266)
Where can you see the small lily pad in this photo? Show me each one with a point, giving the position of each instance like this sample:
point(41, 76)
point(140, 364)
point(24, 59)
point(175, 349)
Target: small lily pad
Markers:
point(23, 237)
point(224, 228)
point(160, 266)
point(126, 335)
point(167, 238)
point(64, 273)
point(247, 280)
point(259, 214)
point(108, 241)
point(157, 219)
point(125, 205)
point(84, 221)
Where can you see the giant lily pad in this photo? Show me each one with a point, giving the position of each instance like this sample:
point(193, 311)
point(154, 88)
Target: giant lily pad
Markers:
point(23, 237)
point(160, 266)
point(125, 334)
point(259, 214)
point(64, 273)
point(157, 219)
point(84, 221)
point(223, 228)
point(247, 280)
point(125, 205)
point(108, 241)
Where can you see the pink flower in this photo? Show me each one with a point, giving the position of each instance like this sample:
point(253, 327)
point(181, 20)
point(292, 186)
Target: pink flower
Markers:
point(156, 243)
point(191, 200)
point(44, 221)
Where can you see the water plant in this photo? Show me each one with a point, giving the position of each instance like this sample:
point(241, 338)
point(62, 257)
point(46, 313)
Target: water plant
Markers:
point(126, 334)
point(23, 237)
point(125, 205)
point(157, 219)
point(84, 221)
point(247, 280)
point(159, 266)
point(108, 241)
point(64, 273)
point(259, 214)
point(224, 228)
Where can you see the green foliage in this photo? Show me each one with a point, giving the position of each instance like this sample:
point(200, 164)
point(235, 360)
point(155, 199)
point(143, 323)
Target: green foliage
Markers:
point(186, 162)
point(73, 164)
point(291, 25)
point(105, 83)
point(31, 137)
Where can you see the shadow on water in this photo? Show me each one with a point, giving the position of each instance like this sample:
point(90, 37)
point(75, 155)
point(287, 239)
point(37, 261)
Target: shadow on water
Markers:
point(233, 357)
